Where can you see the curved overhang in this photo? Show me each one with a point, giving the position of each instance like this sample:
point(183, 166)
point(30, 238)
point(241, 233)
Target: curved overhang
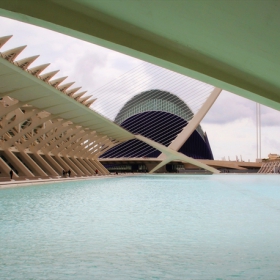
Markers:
point(232, 45)
point(29, 89)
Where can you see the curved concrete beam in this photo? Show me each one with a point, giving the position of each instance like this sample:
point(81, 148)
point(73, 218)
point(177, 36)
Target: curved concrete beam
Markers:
point(229, 44)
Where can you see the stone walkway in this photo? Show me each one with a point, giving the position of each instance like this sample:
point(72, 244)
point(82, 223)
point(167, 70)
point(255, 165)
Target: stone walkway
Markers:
point(26, 182)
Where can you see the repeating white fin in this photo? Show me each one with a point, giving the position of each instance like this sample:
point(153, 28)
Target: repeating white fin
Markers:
point(70, 92)
point(4, 40)
point(89, 102)
point(57, 81)
point(35, 71)
point(64, 87)
point(46, 77)
point(79, 94)
point(84, 98)
point(24, 63)
point(11, 55)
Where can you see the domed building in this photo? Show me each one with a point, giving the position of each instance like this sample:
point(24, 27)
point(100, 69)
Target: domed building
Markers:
point(160, 116)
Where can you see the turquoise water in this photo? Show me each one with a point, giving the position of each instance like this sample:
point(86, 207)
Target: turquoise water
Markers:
point(145, 227)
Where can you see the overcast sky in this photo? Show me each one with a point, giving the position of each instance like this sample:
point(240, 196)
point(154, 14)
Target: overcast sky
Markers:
point(230, 123)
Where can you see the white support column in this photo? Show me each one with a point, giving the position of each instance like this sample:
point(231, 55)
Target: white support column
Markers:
point(65, 166)
point(80, 166)
point(174, 155)
point(73, 166)
point(187, 131)
point(100, 167)
point(183, 136)
point(23, 170)
point(49, 169)
point(161, 164)
point(6, 168)
point(90, 164)
point(57, 167)
point(36, 169)
point(89, 168)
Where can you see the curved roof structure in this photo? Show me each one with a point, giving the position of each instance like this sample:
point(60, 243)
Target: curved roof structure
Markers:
point(43, 92)
point(232, 45)
point(156, 100)
point(146, 101)
point(47, 127)
point(160, 116)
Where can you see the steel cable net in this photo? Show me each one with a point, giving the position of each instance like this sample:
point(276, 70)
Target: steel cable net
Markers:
point(149, 88)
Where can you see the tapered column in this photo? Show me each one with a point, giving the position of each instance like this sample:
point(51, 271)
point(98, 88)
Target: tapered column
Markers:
point(23, 170)
point(100, 167)
point(54, 164)
point(80, 166)
point(49, 169)
point(90, 164)
point(88, 167)
point(6, 168)
point(64, 164)
point(36, 169)
point(73, 166)
point(93, 163)
point(183, 136)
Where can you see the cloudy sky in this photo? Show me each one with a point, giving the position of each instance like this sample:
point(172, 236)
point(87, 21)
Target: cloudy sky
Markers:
point(230, 123)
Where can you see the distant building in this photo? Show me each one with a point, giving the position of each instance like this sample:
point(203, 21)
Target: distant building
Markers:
point(160, 116)
point(273, 157)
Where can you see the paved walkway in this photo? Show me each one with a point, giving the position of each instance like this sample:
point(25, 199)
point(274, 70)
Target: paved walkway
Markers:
point(26, 182)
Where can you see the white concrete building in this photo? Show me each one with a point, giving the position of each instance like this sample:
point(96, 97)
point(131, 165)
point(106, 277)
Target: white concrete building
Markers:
point(45, 127)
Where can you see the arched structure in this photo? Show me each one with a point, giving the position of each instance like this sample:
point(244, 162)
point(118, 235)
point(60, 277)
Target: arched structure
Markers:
point(160, 116)
point(156, 100)
point(232, 45)
point(47, 127)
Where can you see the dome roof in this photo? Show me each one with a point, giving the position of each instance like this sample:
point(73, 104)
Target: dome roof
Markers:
point(156, 100)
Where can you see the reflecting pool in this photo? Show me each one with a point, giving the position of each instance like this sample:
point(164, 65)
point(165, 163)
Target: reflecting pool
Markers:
point(143, 227)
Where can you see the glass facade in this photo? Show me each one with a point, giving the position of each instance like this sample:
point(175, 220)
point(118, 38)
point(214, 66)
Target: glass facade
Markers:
point(156, 100)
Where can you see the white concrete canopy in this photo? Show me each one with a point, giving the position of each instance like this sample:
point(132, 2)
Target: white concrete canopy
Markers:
point(26, 88)
point(232, 45)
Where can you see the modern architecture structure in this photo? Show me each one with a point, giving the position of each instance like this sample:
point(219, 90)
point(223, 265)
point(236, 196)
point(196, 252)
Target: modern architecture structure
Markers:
point(158, 115)
point(232, 45)
point(47, 126)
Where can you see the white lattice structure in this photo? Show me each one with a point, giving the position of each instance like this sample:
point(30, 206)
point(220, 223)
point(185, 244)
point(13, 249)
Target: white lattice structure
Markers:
point(270, 167)
point(45, 127)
